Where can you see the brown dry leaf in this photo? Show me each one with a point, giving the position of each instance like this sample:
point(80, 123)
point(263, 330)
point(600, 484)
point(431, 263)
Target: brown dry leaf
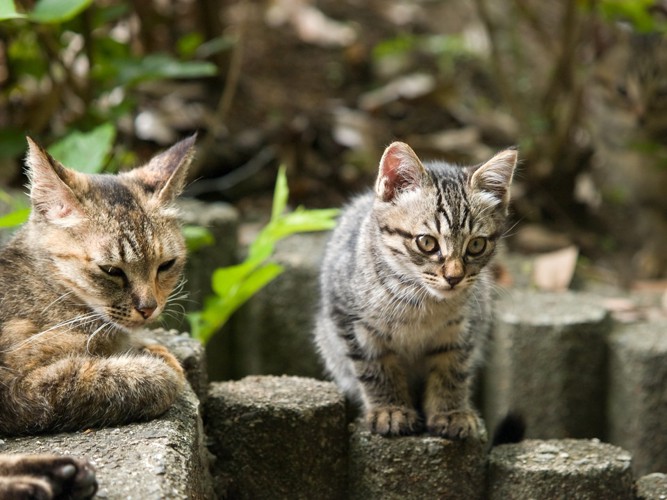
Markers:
point(553, 271)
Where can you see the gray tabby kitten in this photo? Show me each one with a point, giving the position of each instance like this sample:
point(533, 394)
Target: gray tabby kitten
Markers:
point(97, 260)
point(405, 283)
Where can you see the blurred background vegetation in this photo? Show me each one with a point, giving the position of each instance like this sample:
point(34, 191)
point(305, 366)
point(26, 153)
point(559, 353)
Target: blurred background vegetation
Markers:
point(321, 86)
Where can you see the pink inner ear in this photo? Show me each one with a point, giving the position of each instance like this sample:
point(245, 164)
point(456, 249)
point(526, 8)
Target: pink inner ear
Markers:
point(391, 164)
point(399, 169)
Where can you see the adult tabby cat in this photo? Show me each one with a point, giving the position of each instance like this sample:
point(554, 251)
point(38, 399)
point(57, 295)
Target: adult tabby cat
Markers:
point(97, 259)
point(405, 308)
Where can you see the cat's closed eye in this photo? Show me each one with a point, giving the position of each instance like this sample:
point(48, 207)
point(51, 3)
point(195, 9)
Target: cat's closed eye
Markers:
point(113, 271)
point(165, 266)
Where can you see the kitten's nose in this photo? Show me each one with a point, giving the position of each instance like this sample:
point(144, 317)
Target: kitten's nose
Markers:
point(454, 280)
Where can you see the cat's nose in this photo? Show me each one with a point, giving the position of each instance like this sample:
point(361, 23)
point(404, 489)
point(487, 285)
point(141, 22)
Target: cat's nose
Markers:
point(454, 280)
point(146, 312)
point(146, 309)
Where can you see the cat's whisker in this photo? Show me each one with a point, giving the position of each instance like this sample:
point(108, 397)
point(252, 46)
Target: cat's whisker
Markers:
point(59, 299)
point(67, 325)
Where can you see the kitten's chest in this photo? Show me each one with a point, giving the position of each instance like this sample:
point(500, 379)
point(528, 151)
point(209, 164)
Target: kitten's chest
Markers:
point(413, 335)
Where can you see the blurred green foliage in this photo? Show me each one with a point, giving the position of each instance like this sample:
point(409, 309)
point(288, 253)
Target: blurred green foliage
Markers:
point(234, 285)
point(72, 65)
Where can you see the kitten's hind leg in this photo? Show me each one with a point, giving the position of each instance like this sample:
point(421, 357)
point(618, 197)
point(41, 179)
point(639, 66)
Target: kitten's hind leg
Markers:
point(46, 476)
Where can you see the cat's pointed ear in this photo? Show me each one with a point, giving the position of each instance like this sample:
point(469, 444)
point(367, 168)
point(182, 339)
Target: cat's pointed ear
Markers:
point(52, 188)
point(494, 177)
point(165, 174)
point(400, 170)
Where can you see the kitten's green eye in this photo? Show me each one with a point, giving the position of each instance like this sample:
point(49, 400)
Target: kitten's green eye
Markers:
point(165, 266)
point(476, 246)
point(427, 244)
point(116, 272)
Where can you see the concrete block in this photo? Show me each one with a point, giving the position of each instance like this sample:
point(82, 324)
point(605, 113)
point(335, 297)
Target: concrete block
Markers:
point(547, 362)
point(277, 437)
point(637, 404)
point(652, 487)
point(274, 330)
point(414, 467)
point(560, 470)
point(222, 220)
point(163, 458)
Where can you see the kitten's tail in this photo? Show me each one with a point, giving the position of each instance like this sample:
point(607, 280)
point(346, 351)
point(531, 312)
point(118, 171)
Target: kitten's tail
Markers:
point(511, 429)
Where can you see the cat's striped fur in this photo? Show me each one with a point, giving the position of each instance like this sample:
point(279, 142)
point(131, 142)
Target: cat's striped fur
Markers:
point(98, 259)
point(405, 291)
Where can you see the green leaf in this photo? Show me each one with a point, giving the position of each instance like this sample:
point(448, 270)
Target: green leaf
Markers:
point(159, 66)
point(197, 237)
point(8, 10)
point(218, 310)
point(15, 218)
point(280, 195)
point(226, 279)
point(57, 11)
point(303, 221)
point(85, 151)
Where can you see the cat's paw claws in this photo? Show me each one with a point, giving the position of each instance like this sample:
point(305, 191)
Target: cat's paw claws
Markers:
point(456, 425)
point(393, 421)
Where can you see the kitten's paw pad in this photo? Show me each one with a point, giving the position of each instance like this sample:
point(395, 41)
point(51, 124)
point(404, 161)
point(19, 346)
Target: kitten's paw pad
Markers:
point(163, 353)
point(458, 424)
point(392, 421)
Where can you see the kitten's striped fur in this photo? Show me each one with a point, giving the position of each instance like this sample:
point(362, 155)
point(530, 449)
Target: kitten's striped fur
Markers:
point(405, 291)
point(98, 258)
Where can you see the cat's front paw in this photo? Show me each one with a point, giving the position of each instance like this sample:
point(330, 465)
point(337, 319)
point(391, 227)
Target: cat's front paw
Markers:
point(163, 353)
point(52, 476)
point(392, 421)
point(457, 424)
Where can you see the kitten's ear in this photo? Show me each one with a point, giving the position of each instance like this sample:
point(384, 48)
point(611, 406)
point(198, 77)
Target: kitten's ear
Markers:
point(400, 170)
point(52, 187)
point(164, 175)
point(494, 176)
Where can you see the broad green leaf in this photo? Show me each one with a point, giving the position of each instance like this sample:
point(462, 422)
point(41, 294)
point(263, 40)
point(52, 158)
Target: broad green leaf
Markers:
point(15, 218)
point(85, 151)
point(226, 279)
point(280, 195)
point(197, 237)
point(159, 66)
point(303, 221)
point(57, 11)
point(8, 10)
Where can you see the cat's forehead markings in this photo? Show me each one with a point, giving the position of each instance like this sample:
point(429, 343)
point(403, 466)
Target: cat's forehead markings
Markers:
point(115, 193)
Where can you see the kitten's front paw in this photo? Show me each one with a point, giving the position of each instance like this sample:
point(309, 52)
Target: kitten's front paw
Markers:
point(457, 424)
point(392, 421)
